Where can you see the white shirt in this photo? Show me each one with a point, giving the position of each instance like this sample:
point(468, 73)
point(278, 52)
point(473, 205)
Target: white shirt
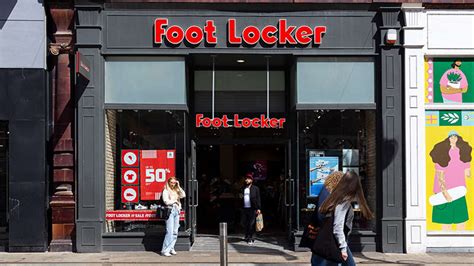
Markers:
point(247, 198)
point(171, 197)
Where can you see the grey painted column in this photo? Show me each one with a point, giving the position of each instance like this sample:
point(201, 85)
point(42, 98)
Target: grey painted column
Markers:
point(90, 134)
point(391, 135)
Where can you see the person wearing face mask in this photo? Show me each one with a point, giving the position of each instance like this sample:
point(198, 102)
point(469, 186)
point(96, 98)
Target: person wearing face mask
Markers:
point(251, 207)
point(172, 193)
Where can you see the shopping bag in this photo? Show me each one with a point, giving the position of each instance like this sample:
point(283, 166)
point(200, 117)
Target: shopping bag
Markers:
point(259, 223)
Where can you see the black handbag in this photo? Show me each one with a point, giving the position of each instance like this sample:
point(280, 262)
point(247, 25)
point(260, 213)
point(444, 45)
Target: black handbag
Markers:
point(163, 212)
point(310, 231)
point(309, 235)
point(325, 244)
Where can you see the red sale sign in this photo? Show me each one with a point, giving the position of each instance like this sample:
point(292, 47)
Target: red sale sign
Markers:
point(156, 166)
point(133, 215)
point(129, 158)
point(129, 176)
point(129, 194)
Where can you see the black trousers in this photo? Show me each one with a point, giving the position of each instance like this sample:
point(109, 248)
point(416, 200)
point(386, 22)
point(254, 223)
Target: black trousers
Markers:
point(249, 216)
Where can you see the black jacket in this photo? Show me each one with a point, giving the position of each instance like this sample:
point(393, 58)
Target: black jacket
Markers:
point(254, 197)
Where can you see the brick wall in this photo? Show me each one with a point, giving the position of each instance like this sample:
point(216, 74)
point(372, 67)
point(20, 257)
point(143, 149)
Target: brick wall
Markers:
point(110, 162)
point(370, 181)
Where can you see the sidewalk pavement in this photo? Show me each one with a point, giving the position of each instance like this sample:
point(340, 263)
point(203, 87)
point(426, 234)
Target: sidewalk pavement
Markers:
point(285, 257)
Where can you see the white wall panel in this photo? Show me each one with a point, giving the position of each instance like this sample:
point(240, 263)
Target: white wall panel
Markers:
point(450, 31)
point(415, 41)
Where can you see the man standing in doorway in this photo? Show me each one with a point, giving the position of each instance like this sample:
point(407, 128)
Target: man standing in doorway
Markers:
point(251, 207)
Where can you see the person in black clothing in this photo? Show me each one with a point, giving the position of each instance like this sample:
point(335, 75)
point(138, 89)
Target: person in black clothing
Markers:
point(251, 207)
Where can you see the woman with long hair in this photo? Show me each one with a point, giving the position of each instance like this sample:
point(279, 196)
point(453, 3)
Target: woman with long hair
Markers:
point(338, 203)
point(329, 185)
point(452, 158)
point(172, 193)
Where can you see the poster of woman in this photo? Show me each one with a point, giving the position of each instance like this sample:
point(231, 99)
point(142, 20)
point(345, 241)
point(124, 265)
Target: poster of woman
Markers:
point(452, 158)
point(450, 186)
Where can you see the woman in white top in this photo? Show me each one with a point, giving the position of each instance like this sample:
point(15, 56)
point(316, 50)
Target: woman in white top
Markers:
point(172, 193)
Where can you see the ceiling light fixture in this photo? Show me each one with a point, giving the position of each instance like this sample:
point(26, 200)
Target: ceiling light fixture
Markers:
point(240, 61)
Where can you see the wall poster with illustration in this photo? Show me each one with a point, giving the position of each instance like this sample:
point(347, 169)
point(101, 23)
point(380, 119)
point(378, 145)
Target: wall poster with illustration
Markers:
point(321, 164)
point(447, 80)
point(449, 173)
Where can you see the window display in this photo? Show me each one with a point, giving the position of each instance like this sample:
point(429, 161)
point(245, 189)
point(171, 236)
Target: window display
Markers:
point(337, 140)
point(320, 167)
point(140, 157)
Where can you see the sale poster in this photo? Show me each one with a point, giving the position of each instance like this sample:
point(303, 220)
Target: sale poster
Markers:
point(129, 158)
point(129, 176)
point(132, 215)
point(130, 194)
point(156, 166)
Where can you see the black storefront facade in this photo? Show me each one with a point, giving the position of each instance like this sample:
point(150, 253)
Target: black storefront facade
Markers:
point(337, 85)
point(23, 142)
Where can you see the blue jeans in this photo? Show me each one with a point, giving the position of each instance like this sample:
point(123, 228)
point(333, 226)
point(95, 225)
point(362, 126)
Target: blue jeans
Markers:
point(172, 226)
point(318, 261)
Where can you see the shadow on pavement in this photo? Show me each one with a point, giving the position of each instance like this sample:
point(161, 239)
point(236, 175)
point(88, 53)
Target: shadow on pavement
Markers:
point(368, 260)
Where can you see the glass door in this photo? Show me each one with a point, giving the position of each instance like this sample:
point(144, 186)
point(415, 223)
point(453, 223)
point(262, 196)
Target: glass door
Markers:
point(289, 187)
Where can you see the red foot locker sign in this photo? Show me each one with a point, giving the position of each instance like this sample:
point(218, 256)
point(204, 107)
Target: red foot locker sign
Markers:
point(156, 166)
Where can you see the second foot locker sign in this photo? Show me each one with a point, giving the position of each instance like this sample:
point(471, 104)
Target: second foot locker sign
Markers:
point(144, 174)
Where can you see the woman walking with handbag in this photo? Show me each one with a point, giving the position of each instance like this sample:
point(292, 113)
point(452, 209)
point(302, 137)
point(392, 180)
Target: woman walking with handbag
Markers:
point(172, 193)
point(311, 230)
point(332, 248)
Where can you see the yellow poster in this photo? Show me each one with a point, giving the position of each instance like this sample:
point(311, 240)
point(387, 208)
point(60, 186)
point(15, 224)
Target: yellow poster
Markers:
point(449, 170)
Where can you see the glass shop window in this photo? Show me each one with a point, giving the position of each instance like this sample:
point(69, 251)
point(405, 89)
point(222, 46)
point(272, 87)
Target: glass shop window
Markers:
point(343, 140)
point(143, 149)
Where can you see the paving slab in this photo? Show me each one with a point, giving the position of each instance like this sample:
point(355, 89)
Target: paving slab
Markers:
point(279, 257)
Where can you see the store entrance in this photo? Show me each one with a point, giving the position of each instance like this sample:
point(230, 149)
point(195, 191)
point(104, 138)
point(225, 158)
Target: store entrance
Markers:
point(220, 173)
point(240, 112)
point(220, 170)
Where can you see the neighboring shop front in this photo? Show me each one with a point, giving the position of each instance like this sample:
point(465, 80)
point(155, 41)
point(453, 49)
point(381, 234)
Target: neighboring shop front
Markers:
point(439, 124)
point(23, 127)
point(166, 85)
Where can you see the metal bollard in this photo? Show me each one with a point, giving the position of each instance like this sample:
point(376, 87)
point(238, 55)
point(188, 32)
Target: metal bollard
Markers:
point(223, 243)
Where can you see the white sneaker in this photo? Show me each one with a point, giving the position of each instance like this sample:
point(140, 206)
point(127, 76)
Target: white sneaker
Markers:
point(166, 254)
point(173, 252)
point(153, 206)
point(141, 207)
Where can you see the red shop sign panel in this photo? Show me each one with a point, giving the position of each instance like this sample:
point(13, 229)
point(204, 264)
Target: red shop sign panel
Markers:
point(129, 194)
point(129, 176)
point(156, 166)
point(129, 158)
point(135, 215)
